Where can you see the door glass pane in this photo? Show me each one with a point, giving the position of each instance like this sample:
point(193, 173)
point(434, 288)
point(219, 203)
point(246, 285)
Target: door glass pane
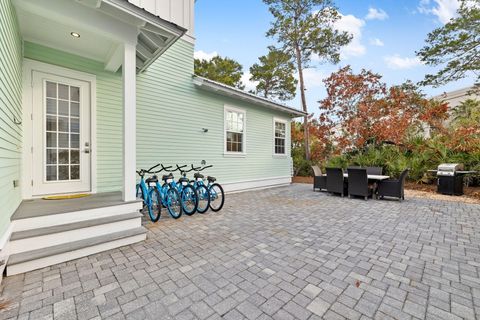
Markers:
point(51, 173)
point(75, 141)
point(63, 124)
point(74, 109)
point(63, 173)
point(51, 156)
point(63, 156)
point(63, 91)
point(74, 172)
point(74, 125)
point(63, 108)
point(62, 136)
point(51, 123)
point(51, 106)
point(51, 89)
point(63, 140)
point(75, 93)
point(74, 157)
point(51, 140)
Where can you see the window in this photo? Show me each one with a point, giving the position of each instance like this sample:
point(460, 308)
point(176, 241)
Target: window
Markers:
point(280, 137)
point(234, 131)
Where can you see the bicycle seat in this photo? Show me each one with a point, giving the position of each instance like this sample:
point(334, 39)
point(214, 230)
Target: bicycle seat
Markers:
point(183, 179)
point(211, 179)
point(198, 175)
point(168, 176)
point(153, 179)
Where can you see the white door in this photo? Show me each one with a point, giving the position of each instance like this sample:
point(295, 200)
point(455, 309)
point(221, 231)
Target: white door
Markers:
point(61, 135)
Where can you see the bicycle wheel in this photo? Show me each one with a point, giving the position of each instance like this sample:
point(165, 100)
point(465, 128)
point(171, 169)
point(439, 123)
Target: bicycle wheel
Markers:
point(217, 197)
point(189, 200)
point(140, 196)
point(203, 198)
point(173, 202)
point(155, 208)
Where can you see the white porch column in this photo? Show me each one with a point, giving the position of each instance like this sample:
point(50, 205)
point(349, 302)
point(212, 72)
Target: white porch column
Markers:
point(129, 122)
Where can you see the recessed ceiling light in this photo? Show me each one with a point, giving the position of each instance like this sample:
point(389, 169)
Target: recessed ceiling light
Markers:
point(75, 34)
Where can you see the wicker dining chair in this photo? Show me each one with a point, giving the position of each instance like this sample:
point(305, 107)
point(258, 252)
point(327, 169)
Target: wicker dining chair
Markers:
point(335, 181)
point(319, 180)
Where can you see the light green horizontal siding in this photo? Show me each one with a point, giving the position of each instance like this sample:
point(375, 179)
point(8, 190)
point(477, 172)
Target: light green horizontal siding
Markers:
point(109, 111)
point(172, 112)
point(10, 107)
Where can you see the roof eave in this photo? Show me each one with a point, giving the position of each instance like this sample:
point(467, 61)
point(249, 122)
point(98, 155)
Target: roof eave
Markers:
point(143, 14)
point(245, 96)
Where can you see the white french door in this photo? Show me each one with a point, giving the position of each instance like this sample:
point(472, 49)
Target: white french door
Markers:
point(61, 135)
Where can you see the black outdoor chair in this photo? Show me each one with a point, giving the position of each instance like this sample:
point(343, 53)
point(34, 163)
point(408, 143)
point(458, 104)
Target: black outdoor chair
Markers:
point(335, 181)
point(393, 187)
point(358, 183)
point(378, 171)
point(319, 180)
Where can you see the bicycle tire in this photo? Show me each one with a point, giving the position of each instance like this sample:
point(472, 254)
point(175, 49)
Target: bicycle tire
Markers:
point(172, 201)
point(155, 209)
point(203, 198)
point(188, 196)
point(215, 200)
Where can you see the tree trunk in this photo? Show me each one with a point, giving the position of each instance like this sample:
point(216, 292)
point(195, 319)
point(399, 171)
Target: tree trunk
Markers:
point(306, 132)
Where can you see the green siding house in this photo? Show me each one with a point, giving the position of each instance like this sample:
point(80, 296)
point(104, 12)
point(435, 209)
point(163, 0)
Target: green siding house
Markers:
point(91, 90)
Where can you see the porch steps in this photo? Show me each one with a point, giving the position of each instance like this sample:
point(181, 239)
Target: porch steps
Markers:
point(46, 233)
point(33, 239)
point(40, 258)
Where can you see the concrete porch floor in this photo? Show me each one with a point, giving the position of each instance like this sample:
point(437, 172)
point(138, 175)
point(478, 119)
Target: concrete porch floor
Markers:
point(40, 207)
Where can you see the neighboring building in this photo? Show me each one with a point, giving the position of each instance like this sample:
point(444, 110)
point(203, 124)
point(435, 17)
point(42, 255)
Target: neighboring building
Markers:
point(455, 98)
point(91, 90)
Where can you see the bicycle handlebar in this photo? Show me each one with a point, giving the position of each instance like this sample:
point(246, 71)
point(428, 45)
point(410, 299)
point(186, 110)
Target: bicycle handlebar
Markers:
point(200, 168)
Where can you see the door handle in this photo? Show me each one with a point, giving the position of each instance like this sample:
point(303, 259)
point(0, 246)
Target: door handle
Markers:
point(86, 150)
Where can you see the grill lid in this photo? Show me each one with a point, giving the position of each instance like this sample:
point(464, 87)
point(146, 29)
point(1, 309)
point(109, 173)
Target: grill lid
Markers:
point(450, 167)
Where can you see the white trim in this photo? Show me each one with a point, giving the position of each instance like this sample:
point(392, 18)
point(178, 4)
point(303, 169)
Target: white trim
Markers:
point(284, 121)
point(226, 153)
point(248, 185)
point(129, 79)
point(6, 236)
point(236, 93)
point(27, 107)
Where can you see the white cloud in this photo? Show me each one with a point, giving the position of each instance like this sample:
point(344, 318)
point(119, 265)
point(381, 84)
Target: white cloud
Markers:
point(202, 55)
point(376, 14)
point(313, 78)
point(249, 85)
point(353, 26)
point(398, 63)
point(444, 10)
point(376, 42)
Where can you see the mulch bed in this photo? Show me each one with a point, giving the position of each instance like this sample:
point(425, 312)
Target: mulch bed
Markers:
point(426, 189)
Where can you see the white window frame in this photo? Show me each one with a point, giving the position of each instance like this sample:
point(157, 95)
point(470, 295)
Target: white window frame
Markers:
point(279, 120)
point(227, 108)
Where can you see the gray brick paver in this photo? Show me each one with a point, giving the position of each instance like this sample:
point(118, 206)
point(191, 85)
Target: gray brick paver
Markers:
point(307, 255)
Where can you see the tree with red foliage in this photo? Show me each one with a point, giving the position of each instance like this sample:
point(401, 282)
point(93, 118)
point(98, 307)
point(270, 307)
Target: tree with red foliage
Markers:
point(361, 109)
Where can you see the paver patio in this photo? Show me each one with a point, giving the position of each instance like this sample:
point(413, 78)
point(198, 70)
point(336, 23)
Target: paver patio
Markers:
point(282, 253)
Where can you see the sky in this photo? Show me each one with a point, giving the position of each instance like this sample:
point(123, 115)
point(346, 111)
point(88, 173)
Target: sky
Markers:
point(386, 35)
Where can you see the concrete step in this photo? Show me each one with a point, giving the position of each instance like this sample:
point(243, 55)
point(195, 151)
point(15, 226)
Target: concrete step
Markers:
point(40, 258)
point(32, 239)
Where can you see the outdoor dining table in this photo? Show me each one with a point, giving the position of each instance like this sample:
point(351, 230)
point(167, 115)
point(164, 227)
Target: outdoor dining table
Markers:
point(371, 177)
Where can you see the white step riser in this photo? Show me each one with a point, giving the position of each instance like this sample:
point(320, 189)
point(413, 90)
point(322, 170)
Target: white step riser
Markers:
point(70, 217)
point(49, 240)
point(72, 255)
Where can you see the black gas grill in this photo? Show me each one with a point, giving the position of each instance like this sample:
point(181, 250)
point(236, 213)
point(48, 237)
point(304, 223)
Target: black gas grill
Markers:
point(450, 178)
